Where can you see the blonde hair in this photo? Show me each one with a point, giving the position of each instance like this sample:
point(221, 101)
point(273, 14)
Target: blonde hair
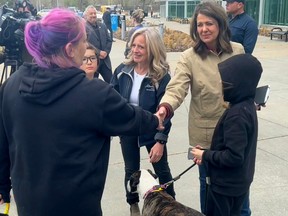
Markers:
point(138, 15)
point(158, 66)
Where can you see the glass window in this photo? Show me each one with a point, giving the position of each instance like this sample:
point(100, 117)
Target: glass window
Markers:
point(282, 7)
point(276, 12)
point(176, 9)
point(191, 7)
point(180, 9)
point(172, 9)
point(286, 13)
point(252, 8)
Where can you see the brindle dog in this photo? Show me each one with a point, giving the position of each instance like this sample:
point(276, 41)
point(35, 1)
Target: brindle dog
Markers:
point(156, 202)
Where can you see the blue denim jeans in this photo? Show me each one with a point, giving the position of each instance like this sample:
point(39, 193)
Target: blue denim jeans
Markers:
point(246, 211)
point(202, 179)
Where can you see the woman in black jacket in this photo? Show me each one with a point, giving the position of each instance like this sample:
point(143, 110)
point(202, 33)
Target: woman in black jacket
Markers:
point(142, 80)
point(55, 124)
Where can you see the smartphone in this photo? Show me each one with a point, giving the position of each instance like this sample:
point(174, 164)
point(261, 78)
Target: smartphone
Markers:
point(262, 95)
point(190, 155)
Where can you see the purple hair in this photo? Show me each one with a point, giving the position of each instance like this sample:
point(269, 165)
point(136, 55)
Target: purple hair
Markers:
point(46, 39)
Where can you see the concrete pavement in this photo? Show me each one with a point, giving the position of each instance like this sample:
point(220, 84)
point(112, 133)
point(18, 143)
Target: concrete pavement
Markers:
point(269, 191)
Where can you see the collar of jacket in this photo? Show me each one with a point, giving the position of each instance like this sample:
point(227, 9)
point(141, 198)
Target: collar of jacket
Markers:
point(127, 69)
point(95, 25)
point(236, 17)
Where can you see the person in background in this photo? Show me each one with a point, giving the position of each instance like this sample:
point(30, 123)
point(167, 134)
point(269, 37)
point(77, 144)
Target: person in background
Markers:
point(11, 35)
point(99, 37)
point(197, 70)
point(243, 28)
point(107, 20)
point(142, 80)
point(55, 124)
point(230, 161)
point(137, 17)
point(26, 8)
point(90, 61)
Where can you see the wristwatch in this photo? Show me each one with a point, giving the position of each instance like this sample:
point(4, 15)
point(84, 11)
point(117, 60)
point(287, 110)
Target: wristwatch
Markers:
point(161, 138)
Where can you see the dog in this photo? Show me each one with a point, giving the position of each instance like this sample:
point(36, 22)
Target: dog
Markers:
point(156, 200)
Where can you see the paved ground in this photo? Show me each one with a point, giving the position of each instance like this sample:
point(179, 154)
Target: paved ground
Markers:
point(269, 191)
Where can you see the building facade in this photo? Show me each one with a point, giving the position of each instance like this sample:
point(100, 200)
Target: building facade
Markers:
point(265, 12)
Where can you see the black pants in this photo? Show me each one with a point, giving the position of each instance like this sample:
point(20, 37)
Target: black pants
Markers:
point(220, 205)
point(131, 155)
point(105, 72)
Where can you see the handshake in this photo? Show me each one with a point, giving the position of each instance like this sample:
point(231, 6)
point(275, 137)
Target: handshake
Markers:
point(161, 115)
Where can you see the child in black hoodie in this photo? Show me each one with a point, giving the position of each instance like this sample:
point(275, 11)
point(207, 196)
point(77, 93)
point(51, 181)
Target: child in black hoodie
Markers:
point(230, 161)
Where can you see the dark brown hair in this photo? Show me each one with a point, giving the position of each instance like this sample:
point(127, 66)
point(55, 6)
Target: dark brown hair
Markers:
point(215, 11)
point(91, 47)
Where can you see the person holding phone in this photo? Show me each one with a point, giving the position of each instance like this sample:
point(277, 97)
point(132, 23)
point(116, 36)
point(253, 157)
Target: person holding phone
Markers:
point(230, 161)
point(261, 97)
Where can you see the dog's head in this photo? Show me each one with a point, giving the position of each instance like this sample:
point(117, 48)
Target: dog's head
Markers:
point(141, 181)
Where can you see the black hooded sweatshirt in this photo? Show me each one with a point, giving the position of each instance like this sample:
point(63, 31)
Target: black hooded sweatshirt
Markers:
point(231, 158)
point(55, 128)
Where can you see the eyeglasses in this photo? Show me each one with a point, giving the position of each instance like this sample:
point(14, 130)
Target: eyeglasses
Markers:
point(91, 59)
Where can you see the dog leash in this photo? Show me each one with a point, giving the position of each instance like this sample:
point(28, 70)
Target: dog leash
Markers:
point(158, 188)
point(164, 186)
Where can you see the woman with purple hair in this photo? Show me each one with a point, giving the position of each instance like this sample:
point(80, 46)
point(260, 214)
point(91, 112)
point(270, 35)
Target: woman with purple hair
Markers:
point(55, 134)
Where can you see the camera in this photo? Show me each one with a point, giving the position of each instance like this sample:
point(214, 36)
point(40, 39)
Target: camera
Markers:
point(12, 23)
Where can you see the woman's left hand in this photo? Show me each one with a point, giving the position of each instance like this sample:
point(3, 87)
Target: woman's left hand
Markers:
point(156, 152)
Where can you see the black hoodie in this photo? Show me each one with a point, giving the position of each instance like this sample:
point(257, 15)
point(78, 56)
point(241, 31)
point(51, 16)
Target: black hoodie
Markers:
point(231, 158)
point(55, 128)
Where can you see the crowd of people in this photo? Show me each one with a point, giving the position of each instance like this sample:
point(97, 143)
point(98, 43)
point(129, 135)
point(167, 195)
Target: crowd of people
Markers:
point(57, 117)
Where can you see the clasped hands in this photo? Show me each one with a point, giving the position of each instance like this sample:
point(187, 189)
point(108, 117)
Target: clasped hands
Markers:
point(103, 54)
point(161, 115)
